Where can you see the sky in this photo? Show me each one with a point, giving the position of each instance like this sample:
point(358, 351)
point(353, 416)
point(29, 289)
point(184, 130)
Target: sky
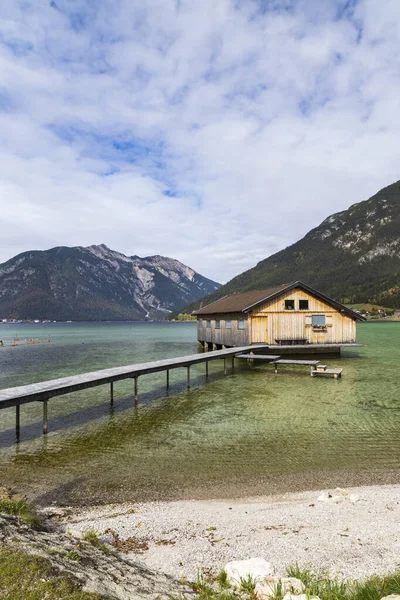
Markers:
point(216, 132)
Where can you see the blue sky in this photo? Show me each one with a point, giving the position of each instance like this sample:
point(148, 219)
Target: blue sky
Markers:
point(213, 132)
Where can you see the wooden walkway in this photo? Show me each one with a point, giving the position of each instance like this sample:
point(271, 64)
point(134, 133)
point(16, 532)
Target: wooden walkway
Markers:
point(43, 391)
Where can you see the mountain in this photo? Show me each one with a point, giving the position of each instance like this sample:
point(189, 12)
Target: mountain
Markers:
point(96, 283)
point(353, 256)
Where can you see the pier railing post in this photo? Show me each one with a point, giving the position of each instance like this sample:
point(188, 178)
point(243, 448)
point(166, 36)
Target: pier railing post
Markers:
point(45, 417)
point(17, 421)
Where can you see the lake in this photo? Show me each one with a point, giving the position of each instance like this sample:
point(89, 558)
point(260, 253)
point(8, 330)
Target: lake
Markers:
point(249, 432)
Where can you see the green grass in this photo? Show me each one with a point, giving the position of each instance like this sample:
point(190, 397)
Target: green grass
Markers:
point(25, 577)
point(19, 508)
point(317, 583)
point(73, 555)
point(332, 588)
point(90, 535)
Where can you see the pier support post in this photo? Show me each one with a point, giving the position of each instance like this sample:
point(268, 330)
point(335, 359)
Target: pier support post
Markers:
point(233, 363)
point(112, 393)
point(188, 377)
point(224, 366)
point(275, 367)
point(135, 379)
point(167, 379)
point(44, 417)
point(17, 421)
point(206, 369)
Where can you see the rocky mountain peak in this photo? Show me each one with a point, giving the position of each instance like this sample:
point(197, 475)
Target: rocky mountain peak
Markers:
point(96, 283)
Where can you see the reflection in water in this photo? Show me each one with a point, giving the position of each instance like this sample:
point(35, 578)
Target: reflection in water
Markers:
point(249, 432)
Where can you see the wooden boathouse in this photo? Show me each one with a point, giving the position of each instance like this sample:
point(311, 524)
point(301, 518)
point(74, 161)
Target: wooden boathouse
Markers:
point(284, 316)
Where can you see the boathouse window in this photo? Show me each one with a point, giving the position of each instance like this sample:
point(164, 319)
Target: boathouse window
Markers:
point(289, 304)
point(217, 324)
point(208, 324)
point(228, 324)
point(200, 322)
point(303, 304)
point(241, 324)
point(318, 320)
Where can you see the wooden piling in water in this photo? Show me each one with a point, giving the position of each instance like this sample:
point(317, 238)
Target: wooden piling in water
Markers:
point(188, 376)
point(17, 421)
point(112, 393)
point(45, 417)
point(135, 379)
point(167, 379)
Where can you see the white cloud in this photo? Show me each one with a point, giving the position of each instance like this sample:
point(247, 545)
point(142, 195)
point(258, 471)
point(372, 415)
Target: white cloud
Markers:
point(213, 132)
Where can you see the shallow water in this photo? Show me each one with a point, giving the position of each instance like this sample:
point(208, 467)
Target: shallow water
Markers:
point(245, 433)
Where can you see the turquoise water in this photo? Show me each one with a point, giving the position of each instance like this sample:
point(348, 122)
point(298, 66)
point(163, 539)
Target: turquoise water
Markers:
point(245, 433)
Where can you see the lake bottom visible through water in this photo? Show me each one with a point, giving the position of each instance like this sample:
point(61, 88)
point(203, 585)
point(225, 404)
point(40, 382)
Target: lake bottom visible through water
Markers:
point(247, 433)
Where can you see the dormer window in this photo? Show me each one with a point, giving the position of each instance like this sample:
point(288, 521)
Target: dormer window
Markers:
point(303, 304)
point(289, 304)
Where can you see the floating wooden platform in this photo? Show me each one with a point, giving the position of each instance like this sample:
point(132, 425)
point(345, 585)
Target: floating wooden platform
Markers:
point(315, 367)
point(286, 361)
point(336, 373)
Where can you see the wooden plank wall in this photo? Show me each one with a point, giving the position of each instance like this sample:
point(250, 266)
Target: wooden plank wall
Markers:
point(287, 324)
point(223, 336)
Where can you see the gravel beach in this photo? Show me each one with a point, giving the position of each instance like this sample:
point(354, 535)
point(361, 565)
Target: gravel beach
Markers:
point(354, 532)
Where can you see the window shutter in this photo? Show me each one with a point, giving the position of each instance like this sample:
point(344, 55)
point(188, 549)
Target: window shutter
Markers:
point(308, 320)
point(329, 320)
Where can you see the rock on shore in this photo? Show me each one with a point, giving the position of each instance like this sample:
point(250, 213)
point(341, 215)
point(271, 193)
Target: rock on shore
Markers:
point(115, 577)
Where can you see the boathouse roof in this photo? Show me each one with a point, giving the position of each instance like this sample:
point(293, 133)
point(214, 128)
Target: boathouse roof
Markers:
point(247, 301)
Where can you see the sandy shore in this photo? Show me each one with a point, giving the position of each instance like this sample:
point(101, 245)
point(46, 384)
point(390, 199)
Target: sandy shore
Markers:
point(354, 535)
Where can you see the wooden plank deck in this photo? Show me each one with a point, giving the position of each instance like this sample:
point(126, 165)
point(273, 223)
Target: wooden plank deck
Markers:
point(291, 361)
point(295, 347)
point(288, 361)
point(270, 357)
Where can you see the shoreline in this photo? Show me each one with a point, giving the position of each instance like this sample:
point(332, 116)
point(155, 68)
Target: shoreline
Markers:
point(354, 533)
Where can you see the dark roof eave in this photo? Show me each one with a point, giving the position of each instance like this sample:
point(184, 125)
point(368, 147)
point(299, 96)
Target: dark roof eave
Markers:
point(196, 312)
point(340, 307)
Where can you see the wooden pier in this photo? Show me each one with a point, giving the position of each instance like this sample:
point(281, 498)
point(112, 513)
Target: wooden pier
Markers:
point(43, 391)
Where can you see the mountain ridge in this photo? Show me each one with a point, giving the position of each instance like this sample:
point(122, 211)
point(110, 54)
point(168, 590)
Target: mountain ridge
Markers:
point(96, 283)
point(352, 256)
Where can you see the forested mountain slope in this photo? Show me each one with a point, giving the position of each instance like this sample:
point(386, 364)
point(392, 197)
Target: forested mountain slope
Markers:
point(353, 256)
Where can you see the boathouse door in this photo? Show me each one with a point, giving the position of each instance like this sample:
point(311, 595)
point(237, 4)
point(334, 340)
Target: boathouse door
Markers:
point(259, 330)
